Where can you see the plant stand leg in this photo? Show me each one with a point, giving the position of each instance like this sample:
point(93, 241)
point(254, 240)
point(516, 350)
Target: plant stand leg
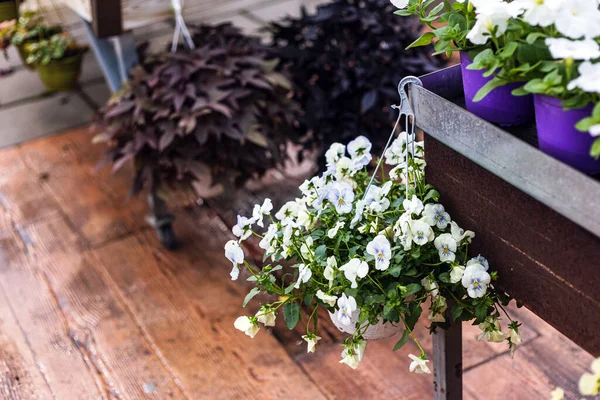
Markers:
point(447, 363)
point(162, 220)
point(116, 55)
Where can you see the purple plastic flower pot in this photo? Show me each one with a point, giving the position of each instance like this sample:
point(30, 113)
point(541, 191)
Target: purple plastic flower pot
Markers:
point(499, 106)
point(558, 137)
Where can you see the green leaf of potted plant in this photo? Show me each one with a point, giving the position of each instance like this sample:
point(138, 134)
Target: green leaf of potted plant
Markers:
point(28, 29)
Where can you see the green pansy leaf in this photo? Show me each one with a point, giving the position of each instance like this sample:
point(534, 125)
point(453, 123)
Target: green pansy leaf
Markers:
point(456, 312)
point(403, 340)
point(412, 289)
point(250, 295)
point(291, 315)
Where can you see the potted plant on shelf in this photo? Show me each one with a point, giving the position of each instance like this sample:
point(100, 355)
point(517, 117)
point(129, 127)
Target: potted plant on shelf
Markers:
point(57, 60)
point(371, 253)
point(220, 111)
point(476, 29)
point(9, 10)
point(344, 59)
point(28, 29)
point(551, 48)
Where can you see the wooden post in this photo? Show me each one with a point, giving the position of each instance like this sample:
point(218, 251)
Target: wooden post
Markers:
point(107, 18)
point(447, 363)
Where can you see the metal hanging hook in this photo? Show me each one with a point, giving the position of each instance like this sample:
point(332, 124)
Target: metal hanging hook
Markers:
point(406, 111)
point(405, 107)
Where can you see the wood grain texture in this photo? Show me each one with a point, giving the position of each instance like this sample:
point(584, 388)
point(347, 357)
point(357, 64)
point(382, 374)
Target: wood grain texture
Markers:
point(544, 260)
point(20, 377)
point(207, 355)
point(64, 367)
point(98, 322)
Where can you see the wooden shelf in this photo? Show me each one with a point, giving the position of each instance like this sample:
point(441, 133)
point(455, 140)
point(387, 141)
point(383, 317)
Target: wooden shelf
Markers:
point(536, 219)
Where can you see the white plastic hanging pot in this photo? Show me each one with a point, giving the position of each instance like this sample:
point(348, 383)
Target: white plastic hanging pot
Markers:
point(380, 331)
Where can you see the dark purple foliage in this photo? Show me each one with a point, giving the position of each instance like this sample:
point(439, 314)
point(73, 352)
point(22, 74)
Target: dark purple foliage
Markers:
point(222, 108)
point(346, 61)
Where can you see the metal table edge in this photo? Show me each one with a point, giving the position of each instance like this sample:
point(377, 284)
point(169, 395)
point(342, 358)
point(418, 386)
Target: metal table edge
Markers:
point(558, 186)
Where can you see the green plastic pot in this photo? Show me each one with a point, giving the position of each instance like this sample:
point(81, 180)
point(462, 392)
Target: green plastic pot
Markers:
point(9, 10)
point(61, 75)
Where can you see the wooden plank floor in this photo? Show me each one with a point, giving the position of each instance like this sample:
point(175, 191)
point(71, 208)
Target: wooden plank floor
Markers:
point(91, 306)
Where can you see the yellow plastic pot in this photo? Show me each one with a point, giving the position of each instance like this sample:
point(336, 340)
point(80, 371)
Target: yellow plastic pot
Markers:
point(61, 75)
point(9, 10)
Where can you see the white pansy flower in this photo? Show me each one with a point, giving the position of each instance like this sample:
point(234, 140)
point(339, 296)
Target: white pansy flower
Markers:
point(287, 212)
point(341, 196)
point(360, 152)
point(557, 394)
point(421, 232)
point(335, 153)
point(479, 260)
point(346, 307)
point(326, 298)
point(460, 234)
point(446, 246)
point(589, 78)
point(311, 341)
point(578, 18)
point(476, 280)
point(305, 218)
point(304, 275)
point(406, 240)
point(376, 199)
point(266, 243)
point(382, 251)
point(266, 316)
point(353, 354)
point(247, 325)
point(260, 210)
point(561, 48)
point(491, 331)
point(243, 228)
point(358, 214)
point(538, 12)
point(515, 340)
point(413, 206)
point(306, 248)
point(440, 305)
point(436, 215)
point(430, 286)
point(402, 225)
point(353, 269)
point(589, 383)
point(418, 365)
point(457, 273)
point(399, 3)
point(333, 231)
point(344, 168)
point(235, 254)
point(329, 272)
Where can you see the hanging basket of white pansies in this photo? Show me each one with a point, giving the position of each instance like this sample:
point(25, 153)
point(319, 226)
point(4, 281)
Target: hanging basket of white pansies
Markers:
point(371, 252)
